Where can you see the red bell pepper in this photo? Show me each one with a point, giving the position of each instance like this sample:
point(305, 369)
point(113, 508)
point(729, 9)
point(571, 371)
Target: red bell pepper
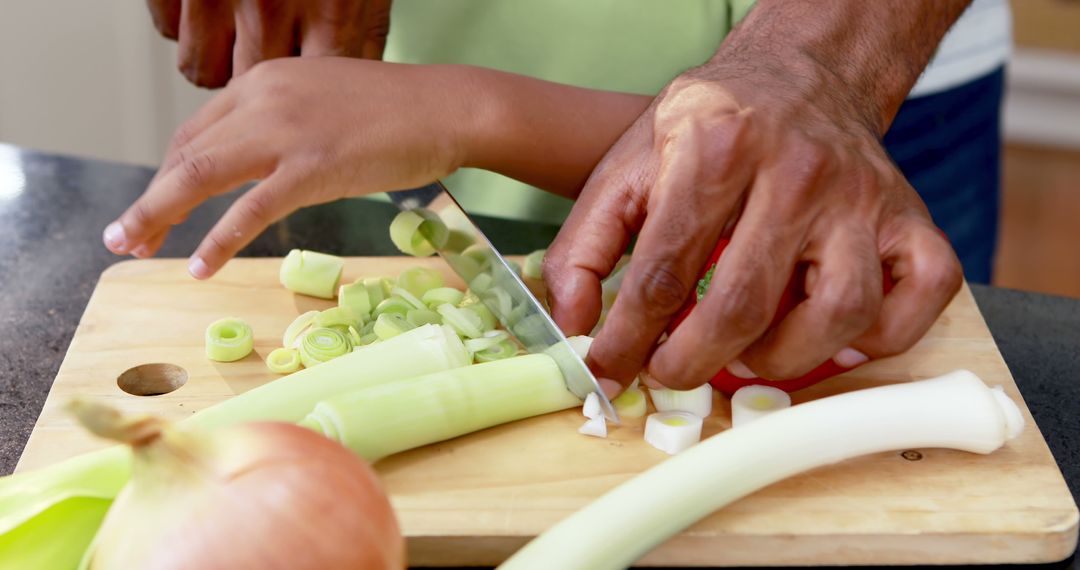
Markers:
point(726, 382)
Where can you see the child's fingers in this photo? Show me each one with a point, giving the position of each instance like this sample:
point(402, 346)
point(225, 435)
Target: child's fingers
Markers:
point(200, 174)
point(151, 247)
point(269, 201)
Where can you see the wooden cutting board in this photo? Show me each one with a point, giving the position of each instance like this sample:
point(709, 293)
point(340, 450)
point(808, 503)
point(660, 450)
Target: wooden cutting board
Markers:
point(476, 499)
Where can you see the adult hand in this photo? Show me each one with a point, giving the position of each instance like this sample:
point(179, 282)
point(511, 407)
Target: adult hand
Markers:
point(308, 140)
point(779, 150)
point(220, 39)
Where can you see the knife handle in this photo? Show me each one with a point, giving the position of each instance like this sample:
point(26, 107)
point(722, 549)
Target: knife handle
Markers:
point(726, 382)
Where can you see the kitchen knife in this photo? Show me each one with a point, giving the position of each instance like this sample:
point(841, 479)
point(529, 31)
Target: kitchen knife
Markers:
point(499, 287)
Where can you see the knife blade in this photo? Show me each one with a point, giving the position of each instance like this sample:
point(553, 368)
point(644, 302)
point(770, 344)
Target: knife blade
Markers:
point(501, 289)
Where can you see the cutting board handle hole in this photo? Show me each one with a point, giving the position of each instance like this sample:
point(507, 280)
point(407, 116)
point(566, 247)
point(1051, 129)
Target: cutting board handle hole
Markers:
point(911, 455)
point(152, 379)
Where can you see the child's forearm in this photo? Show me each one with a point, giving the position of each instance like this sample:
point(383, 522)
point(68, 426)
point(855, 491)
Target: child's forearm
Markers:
point(545, 134)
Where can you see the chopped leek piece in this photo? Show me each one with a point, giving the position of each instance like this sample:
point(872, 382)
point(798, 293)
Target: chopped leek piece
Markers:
point(630, 404)
point(228, 340)
point(408, 298)
point(752, 402)
point(534, 264)
point(465, 322)
point(420, 280)
point(311, 273)
point(504, 349)
point(283, 360)
point(388, 419)
point(595, 427)
point(514, 266)
point(420, 317)
point(466, 266)
point(296, 328)
point(480, 283)
point(458, 240)
point(697, 401)
point(479, 253)
point(499, 299)
point(354, 336)
point(335, 316)
point(955, 411)
point(439, 295)
point(355, 296)
point(490, 339)
point(672, 432)
point(487, 319)
point(418, 232)
point(387, 285)
point(389, 325)
point(322, 344)
point(591, 408)
point(367, 339)
point(375, 291)
point(393, 305)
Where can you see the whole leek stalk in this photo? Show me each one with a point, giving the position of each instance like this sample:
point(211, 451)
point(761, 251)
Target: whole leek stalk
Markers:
point(49, 516)
point(954, 411)
point(390, 418)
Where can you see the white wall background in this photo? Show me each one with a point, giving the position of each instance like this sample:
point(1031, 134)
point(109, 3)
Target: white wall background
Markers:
point(93, 78)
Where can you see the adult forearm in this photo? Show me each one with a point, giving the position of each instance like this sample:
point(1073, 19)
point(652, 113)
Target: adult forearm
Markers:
point(542, 133)
point(875, 50)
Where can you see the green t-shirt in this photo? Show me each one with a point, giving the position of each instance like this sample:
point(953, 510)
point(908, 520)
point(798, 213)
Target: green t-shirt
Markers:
point(635, 46)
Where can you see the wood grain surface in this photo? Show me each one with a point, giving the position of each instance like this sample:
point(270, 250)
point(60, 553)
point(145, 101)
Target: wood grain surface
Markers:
point(475, 499)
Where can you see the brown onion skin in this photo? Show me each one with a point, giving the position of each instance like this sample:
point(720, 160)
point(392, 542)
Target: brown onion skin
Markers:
point(304, 502)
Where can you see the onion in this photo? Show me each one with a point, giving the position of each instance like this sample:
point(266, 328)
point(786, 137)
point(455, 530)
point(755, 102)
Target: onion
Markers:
point(257, 495)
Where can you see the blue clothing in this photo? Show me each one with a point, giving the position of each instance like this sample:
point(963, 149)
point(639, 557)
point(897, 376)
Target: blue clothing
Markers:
point(948, 145)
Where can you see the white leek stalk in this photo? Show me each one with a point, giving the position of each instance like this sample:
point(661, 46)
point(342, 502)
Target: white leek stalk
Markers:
point(955, 411)
point(672, 432)
point(697, 401)
point(534, 265)
point(595, 427)
point(752, 402)
point(380, 421)
point(591, 407)
point(311, 273)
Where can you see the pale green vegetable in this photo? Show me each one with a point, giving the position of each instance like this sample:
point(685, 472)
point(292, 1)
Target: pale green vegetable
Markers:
point(48, 516)
point(297, 328)
point(418, 317)
point(458, 240)
point(393, 305)
point(500, 351)
point(487, 319)
point(311, 273)
point(338, 316)
point(697, 401)
point(464, 322)
point(629, 404)
point(418, 232)
point(385, 420)
point(355, 296)
point(376, 294)
point(283, 360)
point(420, 280)
point(228, 340)
point(440, 295)
point(534, 264)
point(408, 298)
point(320, 345)
point(490, 339)
point(389, 325)
point(954, 411)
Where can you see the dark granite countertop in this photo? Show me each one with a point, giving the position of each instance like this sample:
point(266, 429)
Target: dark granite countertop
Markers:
point(53, 209)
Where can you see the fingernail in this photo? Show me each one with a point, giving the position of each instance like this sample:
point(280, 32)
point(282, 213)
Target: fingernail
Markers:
point(648, 380)
point(198, 268)
point(740, 370)
point(114, 236)
point(850, 358)
point(610, 387)
point(141, 251)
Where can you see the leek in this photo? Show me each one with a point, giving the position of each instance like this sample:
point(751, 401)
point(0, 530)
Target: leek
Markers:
point(440, 295)
point(534, 264)
point(296, 329)
point(311, 273)
point(380, 421)
point(697, 401)
point(420, 280)
point(322, 345)
point(283, 360)
point(954, 411)
point(355, 296)
point(228, 340)
point(418, 232)
point(49, 515)
point(335, 316)
point(389, 325)
point(672, 432)
point(752, 402)
point(630, 404)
